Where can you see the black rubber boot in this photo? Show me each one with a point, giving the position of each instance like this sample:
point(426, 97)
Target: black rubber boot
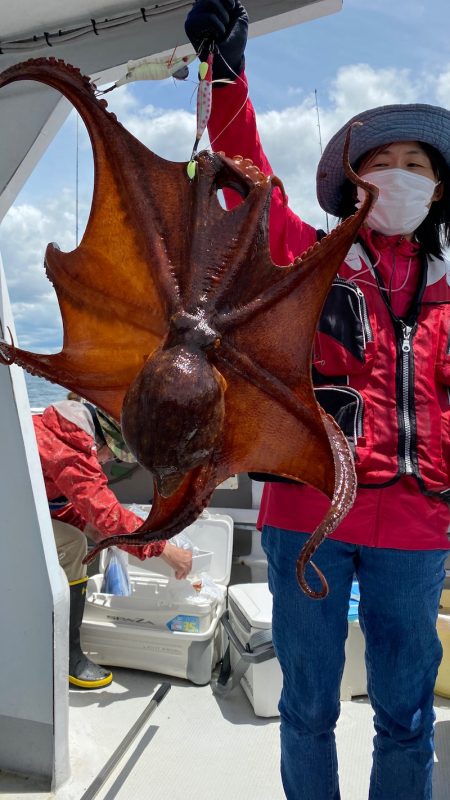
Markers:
point(82, 671)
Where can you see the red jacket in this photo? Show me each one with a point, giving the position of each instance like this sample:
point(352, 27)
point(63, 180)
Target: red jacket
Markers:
point(399, 370)
point(68, 452)
point(386, 382)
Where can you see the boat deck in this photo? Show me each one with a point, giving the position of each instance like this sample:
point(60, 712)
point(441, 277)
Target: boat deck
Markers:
point(198, 746)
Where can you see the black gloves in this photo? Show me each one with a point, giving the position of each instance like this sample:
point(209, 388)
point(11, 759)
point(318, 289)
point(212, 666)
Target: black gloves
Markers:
point(224, 22)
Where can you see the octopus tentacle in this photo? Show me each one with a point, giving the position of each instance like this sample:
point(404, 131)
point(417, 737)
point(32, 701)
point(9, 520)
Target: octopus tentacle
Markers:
point(8, 352)
point(266, 381)
point(343, 498)
point(289, 277)
point(167, 519)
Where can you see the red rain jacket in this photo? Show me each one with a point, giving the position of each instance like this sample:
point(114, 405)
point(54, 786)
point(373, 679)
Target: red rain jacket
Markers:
point(67, 449)
point(386, 382)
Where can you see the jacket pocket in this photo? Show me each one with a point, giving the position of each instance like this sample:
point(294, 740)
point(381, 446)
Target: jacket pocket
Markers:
point(345, 341)
point(346, 406)
point(442, 369)
point(445, 434)
point(443, 357)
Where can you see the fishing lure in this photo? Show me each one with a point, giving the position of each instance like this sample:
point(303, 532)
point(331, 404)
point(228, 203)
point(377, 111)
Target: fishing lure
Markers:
point(154, 69)
point(204, 104)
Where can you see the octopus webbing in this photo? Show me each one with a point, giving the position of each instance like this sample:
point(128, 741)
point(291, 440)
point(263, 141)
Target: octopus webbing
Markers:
point(179, 325)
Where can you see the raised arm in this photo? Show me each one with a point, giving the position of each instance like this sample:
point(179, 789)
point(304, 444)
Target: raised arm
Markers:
point(232, 125)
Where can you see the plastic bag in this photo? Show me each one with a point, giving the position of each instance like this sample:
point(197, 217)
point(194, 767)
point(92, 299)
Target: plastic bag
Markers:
point(115, 577)
point(209, 589)
point(183, 541)
point(204, 591)
point(139, 510)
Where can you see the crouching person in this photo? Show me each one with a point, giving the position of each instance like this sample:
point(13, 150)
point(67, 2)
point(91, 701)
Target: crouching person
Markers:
point(74, 441)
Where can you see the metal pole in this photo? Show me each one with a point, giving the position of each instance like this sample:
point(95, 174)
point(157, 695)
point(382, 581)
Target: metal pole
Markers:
point(76, 182)
point(105, 772)
point(320, 143)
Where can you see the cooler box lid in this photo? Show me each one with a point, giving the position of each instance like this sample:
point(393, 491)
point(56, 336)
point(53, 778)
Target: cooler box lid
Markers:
point(211, 533)
point(255, 602)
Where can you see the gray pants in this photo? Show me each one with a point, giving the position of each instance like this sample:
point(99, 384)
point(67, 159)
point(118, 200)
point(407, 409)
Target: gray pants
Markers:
point(71, 545)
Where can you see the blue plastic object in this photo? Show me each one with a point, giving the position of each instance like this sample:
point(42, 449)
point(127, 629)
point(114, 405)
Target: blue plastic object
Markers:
point(115, 577)
point(354, 602)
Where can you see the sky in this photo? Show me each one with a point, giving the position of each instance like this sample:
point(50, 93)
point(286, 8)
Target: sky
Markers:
point(373, 52)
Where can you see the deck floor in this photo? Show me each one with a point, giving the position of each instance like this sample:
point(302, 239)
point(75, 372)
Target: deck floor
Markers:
point(196, 746)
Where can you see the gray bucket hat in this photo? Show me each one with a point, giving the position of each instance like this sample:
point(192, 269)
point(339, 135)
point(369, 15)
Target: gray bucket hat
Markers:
point(397, 123)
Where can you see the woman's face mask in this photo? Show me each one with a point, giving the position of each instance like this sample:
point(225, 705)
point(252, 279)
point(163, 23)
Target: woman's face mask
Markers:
point(403, 202)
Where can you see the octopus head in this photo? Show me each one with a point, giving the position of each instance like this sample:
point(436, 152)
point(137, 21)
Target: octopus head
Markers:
point(173, 414)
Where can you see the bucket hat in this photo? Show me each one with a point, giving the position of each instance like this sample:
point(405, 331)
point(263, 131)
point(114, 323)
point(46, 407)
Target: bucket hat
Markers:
point(416, 122)
point(112, 435)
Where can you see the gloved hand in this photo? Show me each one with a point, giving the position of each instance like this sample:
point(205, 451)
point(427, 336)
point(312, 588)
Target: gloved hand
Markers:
point(226, 23)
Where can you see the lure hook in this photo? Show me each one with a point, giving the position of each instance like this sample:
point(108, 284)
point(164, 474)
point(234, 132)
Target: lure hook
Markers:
point(204, 105)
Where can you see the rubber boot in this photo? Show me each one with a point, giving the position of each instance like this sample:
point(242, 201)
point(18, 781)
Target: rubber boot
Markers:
point(82, 671)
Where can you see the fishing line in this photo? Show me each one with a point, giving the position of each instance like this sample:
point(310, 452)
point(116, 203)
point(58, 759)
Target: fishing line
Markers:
point(240, 107)
point(320, 146)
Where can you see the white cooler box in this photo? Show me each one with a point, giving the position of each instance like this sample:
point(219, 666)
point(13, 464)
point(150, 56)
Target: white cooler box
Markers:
point(164, 626)
point(250, 658)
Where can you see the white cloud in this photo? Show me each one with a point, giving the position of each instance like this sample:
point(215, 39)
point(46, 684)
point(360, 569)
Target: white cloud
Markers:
point(360, 86)
point(443, 89)
point(24, 235)
point(291, 136)
point(121, 101)
point(170, 133)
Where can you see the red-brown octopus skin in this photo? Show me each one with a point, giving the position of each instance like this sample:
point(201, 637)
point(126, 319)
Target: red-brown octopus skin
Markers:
point(178, 324)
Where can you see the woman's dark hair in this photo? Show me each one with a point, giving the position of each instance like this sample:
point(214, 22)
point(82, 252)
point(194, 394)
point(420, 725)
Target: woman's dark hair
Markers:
point(434, 232)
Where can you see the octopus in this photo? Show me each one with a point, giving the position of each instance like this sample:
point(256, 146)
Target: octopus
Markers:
point(178, 324)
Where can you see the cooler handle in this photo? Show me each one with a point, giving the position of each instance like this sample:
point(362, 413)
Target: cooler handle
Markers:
point(258, 649)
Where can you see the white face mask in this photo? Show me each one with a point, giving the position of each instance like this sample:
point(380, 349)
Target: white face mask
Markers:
point(403, 201)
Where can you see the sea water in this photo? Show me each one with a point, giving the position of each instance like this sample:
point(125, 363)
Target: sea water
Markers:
point(42, 393)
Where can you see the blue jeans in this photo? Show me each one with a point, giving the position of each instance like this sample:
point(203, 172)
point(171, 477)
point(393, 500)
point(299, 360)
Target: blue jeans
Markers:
point(400, 593)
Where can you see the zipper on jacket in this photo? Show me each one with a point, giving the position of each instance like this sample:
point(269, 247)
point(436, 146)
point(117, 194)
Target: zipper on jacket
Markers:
point(405, 391)
point(359, 417)
point(406, 358)
point(362, 306)
point(404, 334)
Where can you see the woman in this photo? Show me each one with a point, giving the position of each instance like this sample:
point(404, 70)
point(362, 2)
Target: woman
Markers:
point(383, 352)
